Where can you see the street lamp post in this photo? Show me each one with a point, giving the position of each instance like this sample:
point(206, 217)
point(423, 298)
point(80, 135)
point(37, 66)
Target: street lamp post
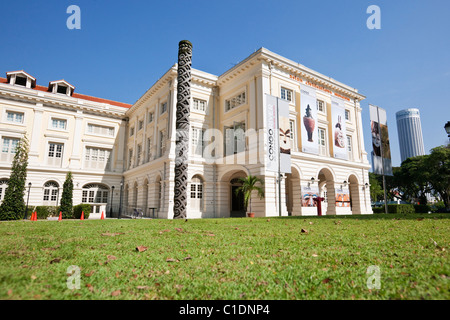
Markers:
point(28, 199)
point(112, 196)
point(120, 201)
point(447, 128)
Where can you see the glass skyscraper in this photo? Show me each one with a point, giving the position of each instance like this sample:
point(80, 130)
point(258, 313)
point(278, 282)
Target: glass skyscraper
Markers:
point(410, 133)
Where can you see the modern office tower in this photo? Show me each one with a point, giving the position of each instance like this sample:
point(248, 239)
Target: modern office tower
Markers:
point(410, 133)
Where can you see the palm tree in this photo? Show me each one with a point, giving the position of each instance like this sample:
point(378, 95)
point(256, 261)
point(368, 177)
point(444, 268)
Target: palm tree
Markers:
point(248, 186)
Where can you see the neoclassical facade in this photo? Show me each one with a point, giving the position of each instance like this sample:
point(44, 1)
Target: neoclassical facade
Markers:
point(108, 144)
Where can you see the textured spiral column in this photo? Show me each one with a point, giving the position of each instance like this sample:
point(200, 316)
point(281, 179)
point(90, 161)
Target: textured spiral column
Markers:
point(182, 129)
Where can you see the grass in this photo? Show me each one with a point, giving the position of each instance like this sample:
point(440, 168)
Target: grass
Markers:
point(235, 258)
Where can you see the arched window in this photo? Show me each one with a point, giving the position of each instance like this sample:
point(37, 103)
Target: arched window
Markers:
point(50, 192)
point(95, 193)
point(196, 193)
point(3, 186)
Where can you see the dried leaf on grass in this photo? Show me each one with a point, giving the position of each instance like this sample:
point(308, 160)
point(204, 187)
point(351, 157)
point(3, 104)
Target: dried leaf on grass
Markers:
point(141, 248)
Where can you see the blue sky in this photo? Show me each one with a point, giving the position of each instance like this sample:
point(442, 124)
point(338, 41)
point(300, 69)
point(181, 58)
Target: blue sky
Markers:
point(123, 47)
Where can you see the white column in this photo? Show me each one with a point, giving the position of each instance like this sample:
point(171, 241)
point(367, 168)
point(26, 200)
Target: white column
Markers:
point(75, 158)
point(36, 134)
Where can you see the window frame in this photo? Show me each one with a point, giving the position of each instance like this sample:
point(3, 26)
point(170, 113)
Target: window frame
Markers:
point(235, 96)
point(324, 139)
point(287, 90)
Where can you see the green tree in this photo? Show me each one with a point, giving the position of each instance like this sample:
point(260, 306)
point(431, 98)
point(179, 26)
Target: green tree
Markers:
point(438, 171)
point(66, 206)
point(412, 179)
point(13, 205)
point(248, 186)
point(376, 188)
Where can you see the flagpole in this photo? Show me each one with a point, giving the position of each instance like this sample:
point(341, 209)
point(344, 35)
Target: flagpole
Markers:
point(279, 159)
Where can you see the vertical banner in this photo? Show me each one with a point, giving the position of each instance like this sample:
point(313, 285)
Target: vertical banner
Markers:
point(278, 135)
point(381, 154)
point(308, 194)
point(272, 134)
point(338, 127)
point(342, 197)
point(284, 136)
point(308, 109)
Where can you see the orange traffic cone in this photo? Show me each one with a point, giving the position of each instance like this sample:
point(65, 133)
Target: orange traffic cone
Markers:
point(60, 216)
point(34, 216)
point(102, 217)
point(82, 215)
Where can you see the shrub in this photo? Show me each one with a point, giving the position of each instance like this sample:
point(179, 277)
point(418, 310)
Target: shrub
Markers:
point(83, 207)
point(439, 207)
point(401, 208)
point(422, 208)
point(67, 195)
point(43, 212)
point(378, 210)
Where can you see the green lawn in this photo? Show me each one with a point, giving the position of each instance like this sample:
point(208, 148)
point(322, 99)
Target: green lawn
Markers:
point(239, 258)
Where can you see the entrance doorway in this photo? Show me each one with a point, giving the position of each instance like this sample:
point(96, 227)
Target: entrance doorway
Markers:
point(237, 200)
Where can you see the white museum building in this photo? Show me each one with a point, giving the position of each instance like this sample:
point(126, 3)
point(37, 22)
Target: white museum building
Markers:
point(122, 156)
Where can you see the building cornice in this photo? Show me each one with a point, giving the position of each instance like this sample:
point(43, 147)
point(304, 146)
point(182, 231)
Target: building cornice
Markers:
point(293, 68)
point(37, 97)
point(169, 78)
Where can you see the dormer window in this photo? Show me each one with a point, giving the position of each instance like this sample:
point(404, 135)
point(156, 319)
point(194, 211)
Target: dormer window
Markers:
point(61, 87)
point(21, 81)
point(21, 78)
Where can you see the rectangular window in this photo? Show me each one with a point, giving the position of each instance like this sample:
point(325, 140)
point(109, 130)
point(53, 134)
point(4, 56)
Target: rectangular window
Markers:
point(163, 107)
point(236, 101)
point(234, 138)
point(9, 145)
point(55, 153)
point(130, 158)
point(162, 144)
point(193, 191)
point(292, 128)
point(139, 150)
point(199, 105)
point(286, 94)
point(149, 149)
point(100, 130)
point(197, 141)
point(131, 131)
point(150, 117)
point(21, 81)
point(322, 142)
point(347, 115)
point(16, 117)
point(140, 124)
point(349, 148)
point(61, 89)
point(97, 158)
point(59, 124)
point(321, 106)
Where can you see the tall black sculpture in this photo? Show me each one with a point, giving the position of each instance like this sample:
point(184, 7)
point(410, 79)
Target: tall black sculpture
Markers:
point(182, 128)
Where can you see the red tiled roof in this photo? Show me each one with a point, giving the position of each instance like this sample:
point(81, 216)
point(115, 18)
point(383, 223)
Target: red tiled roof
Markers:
point(81, 96)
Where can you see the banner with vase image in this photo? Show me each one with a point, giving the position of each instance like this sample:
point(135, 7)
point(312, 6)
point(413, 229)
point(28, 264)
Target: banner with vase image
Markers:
point(308, 109)
point(338, 127)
